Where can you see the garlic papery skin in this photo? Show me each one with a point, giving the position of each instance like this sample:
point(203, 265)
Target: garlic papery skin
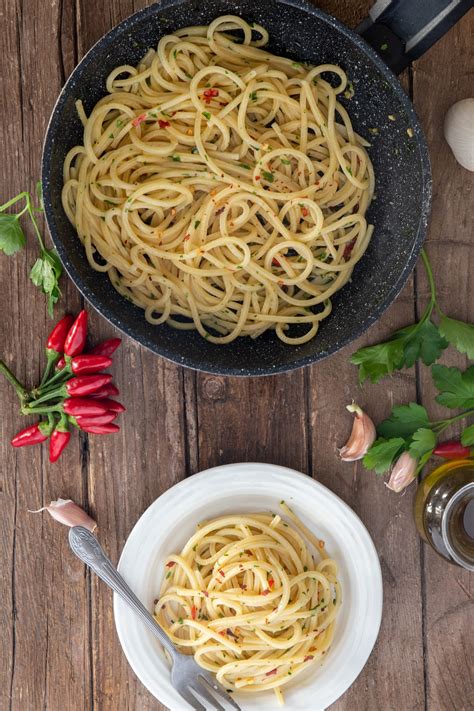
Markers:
point(403, 473)
point(459, 132)
point(70, 514)
point(362, 436)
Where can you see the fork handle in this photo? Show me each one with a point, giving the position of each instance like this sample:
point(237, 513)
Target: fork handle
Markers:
point(87, 548)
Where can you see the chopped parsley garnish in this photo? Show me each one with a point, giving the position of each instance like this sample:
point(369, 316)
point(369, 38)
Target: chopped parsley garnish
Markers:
point(268, 176)
point(253, 96)
point(206, 115)
point(244, 165)
point(285, 161)
point(196, 225)
point(384, 46)
point(176, 158)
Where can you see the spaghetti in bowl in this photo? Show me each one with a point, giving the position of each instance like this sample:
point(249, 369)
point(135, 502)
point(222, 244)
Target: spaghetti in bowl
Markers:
point(254, 597)
point(171, 521)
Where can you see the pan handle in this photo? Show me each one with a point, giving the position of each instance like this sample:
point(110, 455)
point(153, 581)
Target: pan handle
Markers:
point(402, 30)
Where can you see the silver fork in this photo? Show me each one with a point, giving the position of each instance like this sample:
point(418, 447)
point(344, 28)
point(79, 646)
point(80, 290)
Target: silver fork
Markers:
point(187, 676)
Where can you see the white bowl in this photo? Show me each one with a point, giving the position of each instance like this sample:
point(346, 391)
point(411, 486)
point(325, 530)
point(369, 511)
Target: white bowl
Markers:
point(168, 523)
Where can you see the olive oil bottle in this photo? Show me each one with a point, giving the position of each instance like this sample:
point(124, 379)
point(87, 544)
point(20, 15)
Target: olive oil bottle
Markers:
point(444, 511)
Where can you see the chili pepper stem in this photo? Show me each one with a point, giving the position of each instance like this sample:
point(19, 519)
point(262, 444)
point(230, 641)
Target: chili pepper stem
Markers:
point(46, 373)
point(30, 410)
point(50, 395)
point(52, 382)
point(20, 390)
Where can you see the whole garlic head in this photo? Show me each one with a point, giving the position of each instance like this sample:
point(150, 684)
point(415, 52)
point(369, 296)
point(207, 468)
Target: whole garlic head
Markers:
point(459, 132)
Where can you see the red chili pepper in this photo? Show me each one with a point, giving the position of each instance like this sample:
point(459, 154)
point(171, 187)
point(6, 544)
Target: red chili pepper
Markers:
point(82, 421)
point(76, 337)
point(272, 672)
point(348, 249)
point(111, 404)
point(270, 582)
point(163, 124)
point(106, 348)
point(57, 337)
point(83, 364)
point(101, 429)
point(109, 390)
point(275, 262)
point(84, 384)
point(138, 120)
point(83, 406)
point(58, 441)
point(171, 564)
point(193, 612)
point(32, 435)
point(308, 658)
point(304, 211)
point(452, 450)
point(61, 363)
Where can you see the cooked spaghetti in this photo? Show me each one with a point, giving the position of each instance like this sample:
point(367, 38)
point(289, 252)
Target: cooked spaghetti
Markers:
point(250, 600)
point(221, 187)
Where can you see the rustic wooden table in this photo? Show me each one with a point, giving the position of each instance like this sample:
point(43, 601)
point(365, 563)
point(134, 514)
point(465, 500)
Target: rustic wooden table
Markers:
point(59, 646)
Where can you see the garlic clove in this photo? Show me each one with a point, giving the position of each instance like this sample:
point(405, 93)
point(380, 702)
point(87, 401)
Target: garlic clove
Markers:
point(70, 514)
point(362, 436)
point(403, 472)
point(459, 132)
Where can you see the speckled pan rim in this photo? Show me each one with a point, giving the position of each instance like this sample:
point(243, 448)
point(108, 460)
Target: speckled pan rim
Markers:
point(161, 349)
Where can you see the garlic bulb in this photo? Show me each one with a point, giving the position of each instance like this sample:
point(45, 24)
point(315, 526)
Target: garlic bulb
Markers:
point(459, 132)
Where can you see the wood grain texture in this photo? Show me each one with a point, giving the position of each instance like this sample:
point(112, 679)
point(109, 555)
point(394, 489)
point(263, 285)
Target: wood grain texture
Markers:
point(59, 649)
point(448, 592)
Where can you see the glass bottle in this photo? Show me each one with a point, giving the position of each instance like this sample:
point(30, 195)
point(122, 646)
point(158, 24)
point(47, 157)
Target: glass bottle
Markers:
point(444, 511)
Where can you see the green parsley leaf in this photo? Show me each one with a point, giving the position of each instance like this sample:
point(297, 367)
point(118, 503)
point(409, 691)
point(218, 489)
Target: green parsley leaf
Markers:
point(245, 165)
point(196, 224)
point(176, 158)
point(285, 161)
point(423, 443)
point(253, 96)
point(12, 237)
point(459, 334)
point(268, 176)
point(376, 361)
point(384, 46)
point(404, 421)
point(456, 388)
point(422, 341)
point(467, 437)
point(206, 115)
point(382, 453)
point(45, 275)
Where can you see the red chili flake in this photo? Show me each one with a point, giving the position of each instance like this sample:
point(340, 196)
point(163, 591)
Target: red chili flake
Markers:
point(243, 586)
point(265, 592)
point(271, 582)
point(170, 564)
point(221, 572)
point(186, 237)
point(137, 121)
point(257, 177)
point(193, 612)
point(304, 211)
point(348, 249)
point(308, 658)
point(275, 262)
point(211, 92)
point(173, 113)
point(222, 633)
point(272, 672)
point(163, 124)
point(206, 594)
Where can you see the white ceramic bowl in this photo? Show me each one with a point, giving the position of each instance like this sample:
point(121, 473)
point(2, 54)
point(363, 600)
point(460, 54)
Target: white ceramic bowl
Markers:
point(170, 521)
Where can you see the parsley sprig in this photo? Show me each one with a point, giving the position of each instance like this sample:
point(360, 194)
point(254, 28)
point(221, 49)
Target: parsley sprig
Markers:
point(410, 429)
point(47, 269)
point(423, 340)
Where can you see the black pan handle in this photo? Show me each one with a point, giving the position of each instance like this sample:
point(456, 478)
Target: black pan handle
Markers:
point(402, 30)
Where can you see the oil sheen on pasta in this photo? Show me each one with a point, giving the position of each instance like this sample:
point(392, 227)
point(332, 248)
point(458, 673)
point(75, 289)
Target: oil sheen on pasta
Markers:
point(251, 600)
point(222, 188)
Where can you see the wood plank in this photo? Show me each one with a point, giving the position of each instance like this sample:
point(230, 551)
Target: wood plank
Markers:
point(448, 593)
point(45, 629)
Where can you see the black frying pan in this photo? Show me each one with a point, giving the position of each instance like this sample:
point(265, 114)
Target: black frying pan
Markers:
point(399, 31)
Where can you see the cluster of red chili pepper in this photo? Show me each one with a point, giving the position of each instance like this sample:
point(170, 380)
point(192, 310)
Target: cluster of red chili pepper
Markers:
point(453, 450)
point(73, 391)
